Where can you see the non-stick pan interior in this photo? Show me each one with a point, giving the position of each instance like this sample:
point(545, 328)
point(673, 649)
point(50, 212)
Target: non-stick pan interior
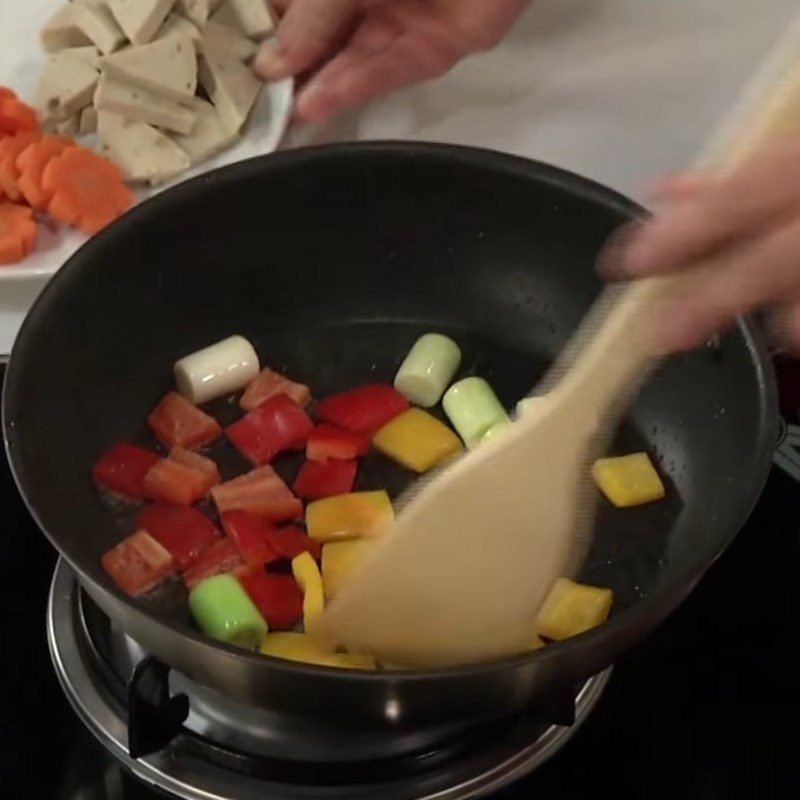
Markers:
point(332, 262)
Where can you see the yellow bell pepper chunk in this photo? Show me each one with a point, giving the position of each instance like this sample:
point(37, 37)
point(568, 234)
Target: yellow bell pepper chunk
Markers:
point(537, 643)
point(340, 561)
point(417, 440)
point(572, 608)
point(628, 480)
point(302, 647)
point(349, 516)
point(308, 578)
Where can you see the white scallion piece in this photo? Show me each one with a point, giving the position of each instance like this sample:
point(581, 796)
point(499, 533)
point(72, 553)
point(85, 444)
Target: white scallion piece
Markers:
point(217, 370)
point(428, 369)
point(472, 407)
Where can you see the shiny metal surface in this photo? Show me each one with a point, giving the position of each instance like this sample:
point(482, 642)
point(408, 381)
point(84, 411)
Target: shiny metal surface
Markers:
point(180, 768)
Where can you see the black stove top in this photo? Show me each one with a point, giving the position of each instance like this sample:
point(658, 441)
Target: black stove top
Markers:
point(704, 708)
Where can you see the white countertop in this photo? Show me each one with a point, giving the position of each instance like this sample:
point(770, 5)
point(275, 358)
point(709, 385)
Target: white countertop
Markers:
point(618, 90)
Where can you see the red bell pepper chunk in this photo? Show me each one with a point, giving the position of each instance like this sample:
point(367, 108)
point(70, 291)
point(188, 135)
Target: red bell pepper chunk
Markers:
point(123, 468)
point(250, 535)
point(278, 424)
point(175, 421)
point(325, 479)
point(277, 597)
point(221, 557)
point(261, 491)
point(182, 530)
point(195, 461)
point(171, 482)
point(363, 410)
point(289, 542)
point(328, 441)
point(138, 564)
point(269, 384)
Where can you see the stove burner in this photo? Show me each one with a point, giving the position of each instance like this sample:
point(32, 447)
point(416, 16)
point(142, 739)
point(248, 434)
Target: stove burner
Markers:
point(229, 751)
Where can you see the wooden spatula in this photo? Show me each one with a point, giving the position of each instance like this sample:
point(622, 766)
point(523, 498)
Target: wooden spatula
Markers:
point(475, 549)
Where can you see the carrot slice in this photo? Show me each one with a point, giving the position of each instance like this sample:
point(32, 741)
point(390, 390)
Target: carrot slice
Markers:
point(7, 94)
point(17, 232)
point(16, 116)
point(31, 163)
point(87, 190)
point(10, 149)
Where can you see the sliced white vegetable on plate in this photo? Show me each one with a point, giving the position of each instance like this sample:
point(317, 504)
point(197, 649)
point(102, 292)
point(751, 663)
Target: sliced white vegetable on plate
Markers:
point(141, 105)
point(209, 136)
point(94, 18)
point(220, 40)
point(253, 17)
point(217, 370)
point(65, 88)
point(69, 127)
point(428, 369)
point(141, 152)
point(167, 67)
point(473, 408)
point(175, 25)
point(224, 15)
point(140, 19)
point(88, 121)
point(232, 87)
point(62, 31)
point(89, 54)
point(195, 10)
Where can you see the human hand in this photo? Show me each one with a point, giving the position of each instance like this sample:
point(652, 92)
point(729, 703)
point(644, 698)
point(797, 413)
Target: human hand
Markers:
point(356, 50)
point(736, 235)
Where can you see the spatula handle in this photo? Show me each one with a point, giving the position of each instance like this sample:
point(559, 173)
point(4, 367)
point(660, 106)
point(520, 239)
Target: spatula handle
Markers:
point(615, 358)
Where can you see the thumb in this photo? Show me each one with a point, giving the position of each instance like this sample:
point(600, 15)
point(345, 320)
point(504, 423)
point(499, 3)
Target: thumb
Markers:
point(307, 33)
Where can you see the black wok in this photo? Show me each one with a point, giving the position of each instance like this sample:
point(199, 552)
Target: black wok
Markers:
point(332, 261)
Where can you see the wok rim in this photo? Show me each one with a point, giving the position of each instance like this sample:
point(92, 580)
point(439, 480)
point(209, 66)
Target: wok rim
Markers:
point(644, 616)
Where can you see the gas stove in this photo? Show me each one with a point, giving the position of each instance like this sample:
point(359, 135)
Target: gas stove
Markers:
point(698, 710)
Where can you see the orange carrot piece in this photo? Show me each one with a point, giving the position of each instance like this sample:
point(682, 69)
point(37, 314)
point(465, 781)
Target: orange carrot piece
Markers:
point(16, 116)
point(30, 165)
point(10, 149)
point(17, 232)
point(7, 94)
point(87, 190)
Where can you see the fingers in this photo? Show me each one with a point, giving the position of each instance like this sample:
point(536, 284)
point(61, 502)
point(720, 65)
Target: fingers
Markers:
point(308, 32)
point(390, 49)
point(786, 327)
point(707, 212)
point(760, 272)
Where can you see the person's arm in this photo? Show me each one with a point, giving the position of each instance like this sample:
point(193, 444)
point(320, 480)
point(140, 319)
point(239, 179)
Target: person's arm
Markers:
point(356, 50)
point(738, 233)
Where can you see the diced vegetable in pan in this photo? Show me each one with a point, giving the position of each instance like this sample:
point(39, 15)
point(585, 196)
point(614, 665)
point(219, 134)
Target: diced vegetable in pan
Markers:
point(628, 480)
point(277, 597)
point(197, 462)
point(268, 384)
point(175, 421)
point(349, 516)
point(218, 559)
point(275, 426)
point(171, 482)
point(363, 410)
point(184, 532)
point(417, 440)
point(572, 608)
point(306, 573)
point(301, 647)
point(472, 406)
point(261, 492)
point(251, 537)
point(326, 478)
point(224, 611)
point(225, 367)
point(428, 369)
point(122, 470)
point(138, 564)
point(329, 442)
